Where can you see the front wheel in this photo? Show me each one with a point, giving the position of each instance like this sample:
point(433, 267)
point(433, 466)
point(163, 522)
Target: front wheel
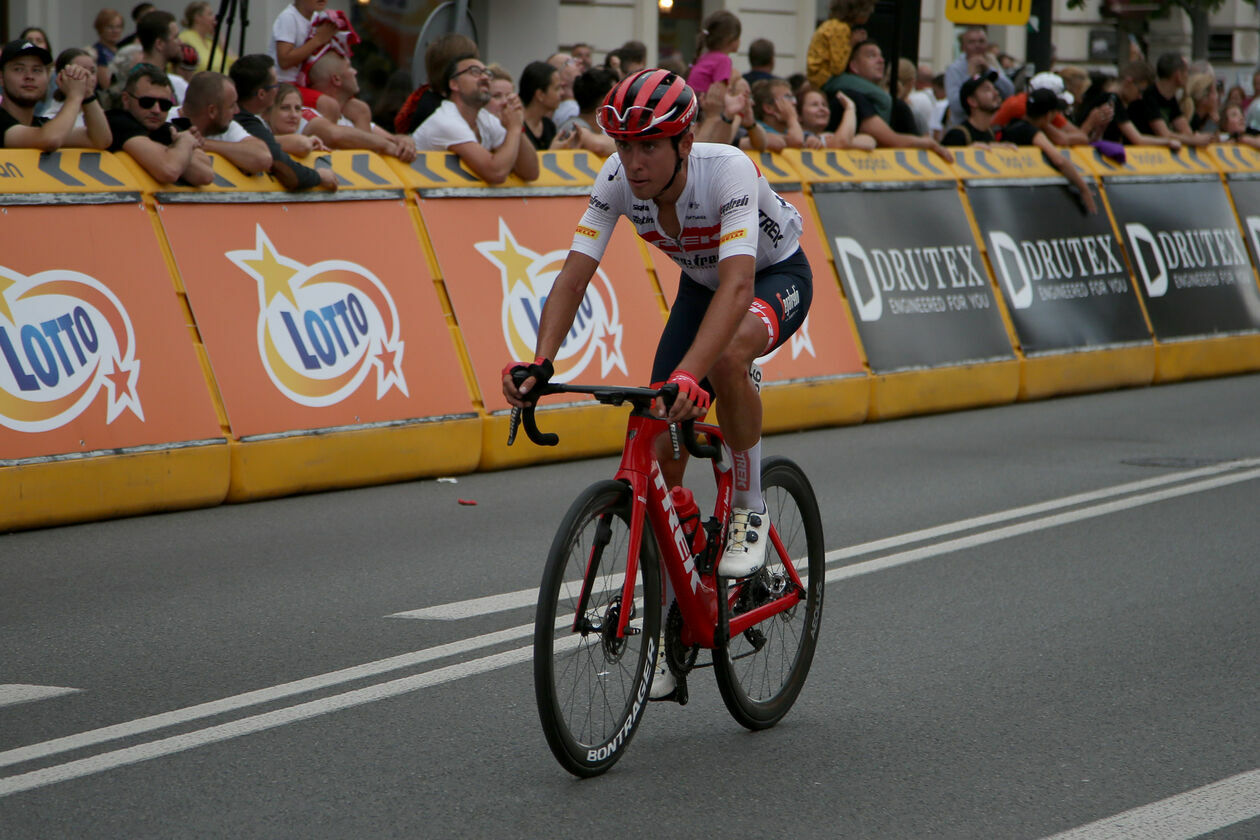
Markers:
point(763, 669)
point(590, 684)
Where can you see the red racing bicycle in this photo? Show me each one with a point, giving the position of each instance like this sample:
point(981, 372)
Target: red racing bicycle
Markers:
point(599, 628)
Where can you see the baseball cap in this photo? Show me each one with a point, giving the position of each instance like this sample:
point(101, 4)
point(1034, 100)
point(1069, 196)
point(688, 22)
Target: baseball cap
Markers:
point(969, 87)
point(1051, 82)
point(1043, 101)
point(16, 49)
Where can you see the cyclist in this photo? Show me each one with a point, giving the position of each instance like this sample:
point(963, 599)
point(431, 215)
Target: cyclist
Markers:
point(745, 286)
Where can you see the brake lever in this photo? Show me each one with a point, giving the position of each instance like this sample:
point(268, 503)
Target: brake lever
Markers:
point(514, 425)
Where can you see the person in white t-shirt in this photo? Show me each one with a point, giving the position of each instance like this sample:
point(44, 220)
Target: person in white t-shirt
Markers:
point(493, 147)
point(209, 107)
point(294, 39)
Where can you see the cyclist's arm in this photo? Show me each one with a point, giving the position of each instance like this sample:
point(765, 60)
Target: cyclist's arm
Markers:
point(557, 316)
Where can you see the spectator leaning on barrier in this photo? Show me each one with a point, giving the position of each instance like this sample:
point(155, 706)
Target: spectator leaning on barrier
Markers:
point(1030, 131)
point(286, 122)
point(209, 107)
point(1202, 104)
point(79, 58)
point(816, 116)
point(502, 86)
point(975, 59)
point(1060, 130)
point(158, 34)
point(1158, 112)
point(980, 100)
point(255, 80)
point(24, 66)
point(1234, 128)
point(332, 76)
point(426, 99)
point(861, 83)
point(140, 129)
point(774, 107)
point(1124, 92)
point(492, 148)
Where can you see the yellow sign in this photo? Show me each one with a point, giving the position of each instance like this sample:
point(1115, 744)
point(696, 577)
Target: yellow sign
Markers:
point(994, 12)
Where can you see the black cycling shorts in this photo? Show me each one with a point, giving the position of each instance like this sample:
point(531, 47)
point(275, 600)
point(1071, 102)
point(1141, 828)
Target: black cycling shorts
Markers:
point(782, 294)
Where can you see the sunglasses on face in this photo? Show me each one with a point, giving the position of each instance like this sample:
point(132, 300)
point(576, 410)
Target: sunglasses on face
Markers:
point(147, 102)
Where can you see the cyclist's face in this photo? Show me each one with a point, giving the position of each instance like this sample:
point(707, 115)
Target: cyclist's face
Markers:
point(649, 164)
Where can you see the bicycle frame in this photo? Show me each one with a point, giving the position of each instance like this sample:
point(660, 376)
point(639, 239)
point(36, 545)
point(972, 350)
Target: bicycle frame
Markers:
point(704, 601)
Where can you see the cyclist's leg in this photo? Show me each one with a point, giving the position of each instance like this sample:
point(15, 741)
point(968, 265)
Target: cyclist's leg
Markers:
point(680, 331)
point(783, 294)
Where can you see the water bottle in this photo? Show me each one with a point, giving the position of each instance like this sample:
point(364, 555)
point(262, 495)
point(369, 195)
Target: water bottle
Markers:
point(689, 517)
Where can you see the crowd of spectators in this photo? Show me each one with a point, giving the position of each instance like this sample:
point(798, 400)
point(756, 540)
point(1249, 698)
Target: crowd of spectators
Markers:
point(168, 95)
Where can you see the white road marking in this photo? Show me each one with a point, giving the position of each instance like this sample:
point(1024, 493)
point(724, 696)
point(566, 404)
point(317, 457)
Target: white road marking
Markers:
point(257, 723)
point(167, 746)
point(972, 540)
point(475, 607)
point(13, 693)
point(1181, 817)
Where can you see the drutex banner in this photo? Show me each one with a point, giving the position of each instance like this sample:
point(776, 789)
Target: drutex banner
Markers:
point(94, 351)
point(914, 276)
point(824, 345)
point(1060, 270)
point(1246, 192)
point(316, 316)
point(499, 258)
point(1188, 255)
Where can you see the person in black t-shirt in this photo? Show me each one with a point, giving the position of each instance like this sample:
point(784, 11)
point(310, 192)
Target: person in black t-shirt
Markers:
point(255, 80)
point(861, 83)
point(1030, 131)
point(1158, 112)
point(540, 93)
point(140, 129)
point(980, 101)
point(24, 67)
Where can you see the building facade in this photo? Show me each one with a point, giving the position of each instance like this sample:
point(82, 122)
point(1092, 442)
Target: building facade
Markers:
point(515, 32)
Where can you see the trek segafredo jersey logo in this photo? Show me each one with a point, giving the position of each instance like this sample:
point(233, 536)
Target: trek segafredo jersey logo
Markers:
point(324, 328)
point(64, 338)
point(527, 277)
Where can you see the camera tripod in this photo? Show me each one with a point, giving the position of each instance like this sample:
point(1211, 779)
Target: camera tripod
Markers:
point(229, 12)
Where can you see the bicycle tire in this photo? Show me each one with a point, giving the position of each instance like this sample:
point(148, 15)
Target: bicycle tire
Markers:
point(592, 688)
point(761, 672)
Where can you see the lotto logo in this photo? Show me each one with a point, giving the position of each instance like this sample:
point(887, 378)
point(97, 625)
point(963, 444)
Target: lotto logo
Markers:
point(64, 339)
point(322, 328)
point(527, 277)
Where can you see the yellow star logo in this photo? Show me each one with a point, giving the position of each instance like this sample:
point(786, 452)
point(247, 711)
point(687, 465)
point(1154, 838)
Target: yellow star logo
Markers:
point(509, 256)
point(5, 283)
point(271, 269)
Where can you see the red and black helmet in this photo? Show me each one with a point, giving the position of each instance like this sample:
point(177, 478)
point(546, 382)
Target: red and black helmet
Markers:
point(650, 103)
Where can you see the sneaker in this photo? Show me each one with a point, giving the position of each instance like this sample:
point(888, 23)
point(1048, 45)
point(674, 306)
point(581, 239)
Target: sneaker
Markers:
point(664, 682)
point(745, 543)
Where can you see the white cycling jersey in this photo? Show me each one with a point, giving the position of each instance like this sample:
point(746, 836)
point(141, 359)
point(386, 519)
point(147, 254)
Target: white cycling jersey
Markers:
point(727, 207)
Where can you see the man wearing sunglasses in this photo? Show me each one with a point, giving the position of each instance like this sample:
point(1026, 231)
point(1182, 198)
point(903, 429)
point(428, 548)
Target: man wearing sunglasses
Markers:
point(140, 129)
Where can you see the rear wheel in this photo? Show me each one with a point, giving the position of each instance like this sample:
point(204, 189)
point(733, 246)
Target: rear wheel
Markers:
point(592, 686)
point(763, 669)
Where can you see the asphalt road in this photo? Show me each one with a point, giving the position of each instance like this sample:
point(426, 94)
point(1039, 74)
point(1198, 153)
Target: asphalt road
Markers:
point(1038, 617)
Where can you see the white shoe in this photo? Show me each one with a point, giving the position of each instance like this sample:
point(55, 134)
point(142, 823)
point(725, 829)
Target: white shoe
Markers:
point(745, 543)
point(664, 682)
